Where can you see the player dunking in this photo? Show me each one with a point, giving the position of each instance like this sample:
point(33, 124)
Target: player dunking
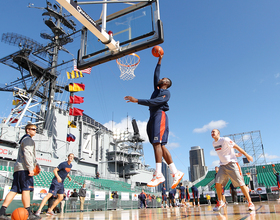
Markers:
point(157, 127)
point(57, 186)
point(229, 168)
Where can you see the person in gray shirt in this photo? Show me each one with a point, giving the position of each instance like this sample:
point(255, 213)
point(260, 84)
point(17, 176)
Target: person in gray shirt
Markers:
point(23, 173)
point(82, 195)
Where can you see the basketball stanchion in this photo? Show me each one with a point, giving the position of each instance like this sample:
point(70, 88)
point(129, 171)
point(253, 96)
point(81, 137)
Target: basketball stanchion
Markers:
point(127, 65)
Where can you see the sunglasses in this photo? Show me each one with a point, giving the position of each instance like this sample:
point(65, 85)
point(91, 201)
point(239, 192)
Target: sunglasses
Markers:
point(33, 129)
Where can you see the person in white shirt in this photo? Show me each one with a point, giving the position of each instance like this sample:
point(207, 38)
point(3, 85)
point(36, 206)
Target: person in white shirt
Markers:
point(229, 168)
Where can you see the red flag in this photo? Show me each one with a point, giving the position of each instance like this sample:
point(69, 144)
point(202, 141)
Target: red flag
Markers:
point(76, 99)
point(12, 120)
point(75, 111)
point(70, 137)
point(88, 70)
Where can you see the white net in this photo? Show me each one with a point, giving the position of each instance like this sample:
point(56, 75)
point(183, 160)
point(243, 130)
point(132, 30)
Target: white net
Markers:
point(127, 65)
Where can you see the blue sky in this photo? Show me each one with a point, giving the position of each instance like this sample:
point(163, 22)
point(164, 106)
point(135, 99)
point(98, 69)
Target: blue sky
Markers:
point(222, 56)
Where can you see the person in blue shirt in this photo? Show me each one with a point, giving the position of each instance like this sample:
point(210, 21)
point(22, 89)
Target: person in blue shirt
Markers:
point(57, 186)
point(157, 127)
point(195, 195)
point(142, 198)
point(277, 180)
point(171, 196)
point(182, 194)
point(164, 197)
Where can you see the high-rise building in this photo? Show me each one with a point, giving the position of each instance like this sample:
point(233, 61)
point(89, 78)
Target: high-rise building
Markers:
point(197, 163)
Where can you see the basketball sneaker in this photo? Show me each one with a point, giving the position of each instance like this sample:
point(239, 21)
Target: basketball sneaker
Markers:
point(33, 217)
point(251, 206)
point(4, 217)
point(38, 212)
point(50, 213)
point(176, 178)
point(218, 206)
point(157, 179)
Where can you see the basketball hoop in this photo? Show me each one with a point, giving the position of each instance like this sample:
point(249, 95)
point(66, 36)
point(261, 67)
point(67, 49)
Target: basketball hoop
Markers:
point(127, 65)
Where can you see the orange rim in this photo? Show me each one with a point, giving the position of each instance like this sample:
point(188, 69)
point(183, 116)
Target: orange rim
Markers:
point(131, 65)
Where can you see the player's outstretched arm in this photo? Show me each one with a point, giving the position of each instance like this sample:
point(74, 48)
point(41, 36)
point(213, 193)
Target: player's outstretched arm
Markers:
point(243, 152)
point(130, 99)
point(274, 171)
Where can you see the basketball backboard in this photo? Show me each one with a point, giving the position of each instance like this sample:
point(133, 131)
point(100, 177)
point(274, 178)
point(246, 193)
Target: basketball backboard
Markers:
point(134, 28)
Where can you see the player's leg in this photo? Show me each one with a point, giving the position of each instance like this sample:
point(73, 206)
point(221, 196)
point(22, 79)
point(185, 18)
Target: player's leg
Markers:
point(221, 180)
point(56, 202)
point(44, 201)
point(235, 174)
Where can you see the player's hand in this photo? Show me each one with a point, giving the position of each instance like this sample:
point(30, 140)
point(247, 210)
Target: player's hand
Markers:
point(31, 173)
point(59, 179)
point(130, 99)
point(250, 158)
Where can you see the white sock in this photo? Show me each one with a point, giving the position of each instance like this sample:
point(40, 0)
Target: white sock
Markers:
point(173, 168)
point(158, 168)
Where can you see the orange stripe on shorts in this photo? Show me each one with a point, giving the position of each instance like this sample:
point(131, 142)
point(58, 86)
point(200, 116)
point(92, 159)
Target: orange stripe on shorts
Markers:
point(162, 125)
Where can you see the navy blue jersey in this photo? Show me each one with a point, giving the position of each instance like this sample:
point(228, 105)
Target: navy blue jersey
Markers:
point(182, 189)
point(194, 189)
point(172, 193)
point(64, 169)
point(163, 191)
point(159, 97)
point(277, 178)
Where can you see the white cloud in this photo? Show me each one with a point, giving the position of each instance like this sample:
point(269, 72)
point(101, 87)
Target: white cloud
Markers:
point(123, 125)
point(270, 157)
point(173, 145)
point(210, 126)
point(215, 163)
point(277, 75)
point(213, 153)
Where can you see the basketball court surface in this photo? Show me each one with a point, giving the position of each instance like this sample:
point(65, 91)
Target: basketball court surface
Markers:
point(264, 210)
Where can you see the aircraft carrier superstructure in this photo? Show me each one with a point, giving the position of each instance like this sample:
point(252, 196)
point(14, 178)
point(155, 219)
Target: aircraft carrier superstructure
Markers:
point(36, 95)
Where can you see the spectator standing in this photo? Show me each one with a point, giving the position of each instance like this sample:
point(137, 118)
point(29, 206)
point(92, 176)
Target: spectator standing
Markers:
point(74, 198)
point(233, 194)
point(208, 197)
point(97, 175)
point(82, 195)
point(142, 198)
point(62, 203)
point(115, 199)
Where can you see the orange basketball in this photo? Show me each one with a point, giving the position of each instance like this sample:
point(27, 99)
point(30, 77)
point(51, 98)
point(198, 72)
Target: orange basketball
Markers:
point(20, 214)
point(157, 50)
point(263, 167)
point(273, 165)
point(37, 170)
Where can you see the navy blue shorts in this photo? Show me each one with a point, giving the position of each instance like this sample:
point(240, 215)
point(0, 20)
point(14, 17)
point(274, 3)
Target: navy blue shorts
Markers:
point(164, 197)
point(22, 182)
point(195, 194)
point(56, 188)
point(157, 128)
point(183, 196)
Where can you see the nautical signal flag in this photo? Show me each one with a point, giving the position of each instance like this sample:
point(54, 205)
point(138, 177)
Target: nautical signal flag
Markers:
point(75, 111)
point(72, 124)
point(13, 120)
point(70, 137)
point(74, 74)
point(76, 99)
point(15, 102)
point(75, 87)
point(88, 70)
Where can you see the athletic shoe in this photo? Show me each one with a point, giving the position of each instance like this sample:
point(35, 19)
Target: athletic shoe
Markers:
point(4, 217)
point(176, 178)
point(50, 213)
point(157, 179)
point(278, 199)
point(38, 212)
point(235, 203)
point(33, 217)
point(251, 206)
point(162, 206)
point(218, 206)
